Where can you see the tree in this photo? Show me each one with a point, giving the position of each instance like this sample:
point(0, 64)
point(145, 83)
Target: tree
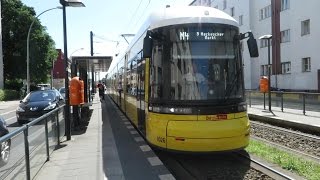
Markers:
point(16, 20)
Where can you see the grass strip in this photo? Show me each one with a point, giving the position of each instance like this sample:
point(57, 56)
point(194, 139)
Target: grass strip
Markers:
point(296, 164)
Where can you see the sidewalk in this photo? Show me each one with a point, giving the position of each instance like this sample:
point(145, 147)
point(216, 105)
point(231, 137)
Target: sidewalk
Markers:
point(79, 158)
point(289, 118)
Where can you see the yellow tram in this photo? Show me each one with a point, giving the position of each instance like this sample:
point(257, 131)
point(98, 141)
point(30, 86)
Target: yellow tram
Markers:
point(180, 81)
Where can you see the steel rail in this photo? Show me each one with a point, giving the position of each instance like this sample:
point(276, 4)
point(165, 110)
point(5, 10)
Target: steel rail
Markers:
point(280, 129)
point(265, 169)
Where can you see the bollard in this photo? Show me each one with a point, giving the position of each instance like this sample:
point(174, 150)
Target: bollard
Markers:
point(47, 139)
point(26, 151)
point(304, 103)
point(264, 101)
point(58, 129)
point(249, 98)
point(282, 101)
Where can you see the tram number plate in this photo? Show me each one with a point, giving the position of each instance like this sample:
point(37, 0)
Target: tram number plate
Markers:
point(217, 117)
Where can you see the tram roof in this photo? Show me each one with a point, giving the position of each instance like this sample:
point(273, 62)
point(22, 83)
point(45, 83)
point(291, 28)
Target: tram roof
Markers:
point(189, 14)
point(183, 15)
point(95, 63)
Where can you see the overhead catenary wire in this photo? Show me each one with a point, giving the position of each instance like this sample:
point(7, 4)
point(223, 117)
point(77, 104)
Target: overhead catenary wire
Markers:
point(134, 14)
point(104, 38)
point(143, 13)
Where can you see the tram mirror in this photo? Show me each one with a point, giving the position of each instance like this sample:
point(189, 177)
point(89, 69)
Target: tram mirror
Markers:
point(253, 47)
point(147, 46)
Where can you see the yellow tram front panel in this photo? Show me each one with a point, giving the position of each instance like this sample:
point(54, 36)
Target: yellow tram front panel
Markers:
point(156, 129)
point(199, 133)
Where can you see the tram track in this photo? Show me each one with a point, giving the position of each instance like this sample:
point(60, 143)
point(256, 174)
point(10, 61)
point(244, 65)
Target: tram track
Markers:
point(264, 168)
point(230, 165)
point(302, 144)
point(293, 151)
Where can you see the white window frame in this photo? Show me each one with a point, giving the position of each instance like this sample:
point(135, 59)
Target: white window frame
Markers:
point(285, 36)
point(240, 20)
point(305, 27)
point(261, 14)
point(265, 12)
point(264, 70)
point(285, 4)
point(232, 11)
point(306, 64)
point(264, 43)
point(286, 68)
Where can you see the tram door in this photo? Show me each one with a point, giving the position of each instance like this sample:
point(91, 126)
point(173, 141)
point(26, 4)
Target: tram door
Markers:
point(140, 97)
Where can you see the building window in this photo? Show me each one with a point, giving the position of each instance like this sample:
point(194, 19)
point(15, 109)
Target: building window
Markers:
point(265, 12)
point(306, 64)
point(224, 4)
point(232, 11)
point(285, 36)
point(305, 27)
point(241, 46)
point(286, 67)
point(285, 4)
point(241, 20)
point(264, 70)
point(264, 43)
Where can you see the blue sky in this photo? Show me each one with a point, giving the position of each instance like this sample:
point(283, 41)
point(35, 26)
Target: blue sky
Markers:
point(107, 19)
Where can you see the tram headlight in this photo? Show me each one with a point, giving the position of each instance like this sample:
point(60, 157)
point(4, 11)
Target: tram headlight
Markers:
point(242, 107)
point(170, 110)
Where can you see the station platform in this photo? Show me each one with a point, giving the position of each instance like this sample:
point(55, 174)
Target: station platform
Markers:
point(289, 118)
point(110, 147)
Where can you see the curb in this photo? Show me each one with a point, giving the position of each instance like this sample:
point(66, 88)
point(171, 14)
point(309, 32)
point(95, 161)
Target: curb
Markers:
point(286, 124)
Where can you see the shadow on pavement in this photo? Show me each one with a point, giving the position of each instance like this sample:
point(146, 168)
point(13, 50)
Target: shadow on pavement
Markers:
point(15, 124)
point(84, 122)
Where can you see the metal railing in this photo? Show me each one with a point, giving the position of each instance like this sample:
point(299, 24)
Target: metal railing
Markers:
point(29, 148)
point(294, 100)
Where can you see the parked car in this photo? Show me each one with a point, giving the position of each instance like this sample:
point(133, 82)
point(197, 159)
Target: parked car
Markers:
point(4, 146)
point(63, 92)
point(37, 103)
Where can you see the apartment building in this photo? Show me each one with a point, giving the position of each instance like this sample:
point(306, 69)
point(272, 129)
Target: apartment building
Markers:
point(298, 61)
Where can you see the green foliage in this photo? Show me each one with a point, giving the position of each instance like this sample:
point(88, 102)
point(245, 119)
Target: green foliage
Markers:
point(7, 95)
point(14, 84)
point(291, 162)
point(16, 20)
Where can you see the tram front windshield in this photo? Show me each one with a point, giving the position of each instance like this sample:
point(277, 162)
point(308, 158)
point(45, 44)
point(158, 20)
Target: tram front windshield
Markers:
point(196, 63)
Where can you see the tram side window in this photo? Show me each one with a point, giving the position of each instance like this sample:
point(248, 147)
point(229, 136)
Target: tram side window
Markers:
point(156, 73)
point(139, 76)
point(132, 76)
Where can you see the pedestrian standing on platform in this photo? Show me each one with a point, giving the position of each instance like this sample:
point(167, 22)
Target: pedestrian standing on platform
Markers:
point(101, 91)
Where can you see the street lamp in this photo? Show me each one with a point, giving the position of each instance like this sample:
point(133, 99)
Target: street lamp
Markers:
point(64, 3)
point(76, 51)
point(28, 37)
point(125, 35)
point(268, 37)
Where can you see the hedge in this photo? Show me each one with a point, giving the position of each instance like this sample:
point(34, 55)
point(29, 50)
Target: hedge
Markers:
point(7, 95)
